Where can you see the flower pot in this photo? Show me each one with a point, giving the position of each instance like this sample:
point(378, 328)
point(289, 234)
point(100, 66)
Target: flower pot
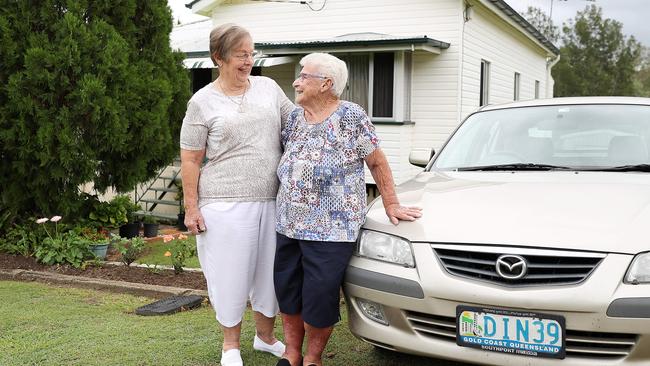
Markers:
point(150, 230)
point(181, 222)
point(99, 250)
point(130, 230)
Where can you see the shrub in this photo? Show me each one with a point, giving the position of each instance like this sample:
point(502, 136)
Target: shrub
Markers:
point(61, 248)
point(180, 250)
point(130, 208)
point(149, 219)
point(21, 239)
point(107, 215)
point(91, 92)
point(130, 249)
point(6, 219)
point(68, 248)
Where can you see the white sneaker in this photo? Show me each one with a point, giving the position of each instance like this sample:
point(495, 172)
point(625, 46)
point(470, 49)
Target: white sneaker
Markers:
point(231, 357)
point(277, 348)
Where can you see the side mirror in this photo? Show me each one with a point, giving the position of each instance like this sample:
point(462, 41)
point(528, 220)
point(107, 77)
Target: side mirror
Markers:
point(421, 157)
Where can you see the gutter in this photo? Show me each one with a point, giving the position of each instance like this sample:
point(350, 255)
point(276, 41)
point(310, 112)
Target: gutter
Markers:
point(549, 67)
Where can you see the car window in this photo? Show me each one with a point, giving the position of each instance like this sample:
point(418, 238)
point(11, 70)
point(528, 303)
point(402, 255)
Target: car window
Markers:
point(580, 136)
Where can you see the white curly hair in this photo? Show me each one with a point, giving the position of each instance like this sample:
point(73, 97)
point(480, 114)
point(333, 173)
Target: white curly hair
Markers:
point(330, 66)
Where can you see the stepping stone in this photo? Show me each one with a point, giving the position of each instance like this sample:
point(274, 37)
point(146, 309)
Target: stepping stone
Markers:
point(170, 305)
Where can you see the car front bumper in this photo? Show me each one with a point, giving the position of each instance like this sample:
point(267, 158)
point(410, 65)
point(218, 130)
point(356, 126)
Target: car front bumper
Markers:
point(420, 303)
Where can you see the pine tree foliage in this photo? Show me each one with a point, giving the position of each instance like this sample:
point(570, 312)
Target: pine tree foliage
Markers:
point(596, 58)
point(642, 77)
point(90, 91)
point(543, 23)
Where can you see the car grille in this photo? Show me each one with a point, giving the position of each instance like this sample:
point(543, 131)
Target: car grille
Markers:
point(548, 269)
point(578, 343)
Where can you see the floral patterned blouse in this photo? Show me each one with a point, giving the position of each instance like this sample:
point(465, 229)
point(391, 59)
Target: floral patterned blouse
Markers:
point(322, 194)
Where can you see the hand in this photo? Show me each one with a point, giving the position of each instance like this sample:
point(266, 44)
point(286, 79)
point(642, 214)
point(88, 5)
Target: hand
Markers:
point(194, 221)
point(396, 212)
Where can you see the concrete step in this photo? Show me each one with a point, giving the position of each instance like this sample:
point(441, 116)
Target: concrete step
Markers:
point(160, 202)
point(163, 189)
point(159, 215)
point(169, 177)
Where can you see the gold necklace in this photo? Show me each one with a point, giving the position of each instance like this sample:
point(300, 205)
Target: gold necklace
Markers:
point(240, 104)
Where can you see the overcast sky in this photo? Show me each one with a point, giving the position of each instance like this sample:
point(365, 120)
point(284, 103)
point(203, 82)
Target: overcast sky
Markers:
point(182, 13)
point(634, 14)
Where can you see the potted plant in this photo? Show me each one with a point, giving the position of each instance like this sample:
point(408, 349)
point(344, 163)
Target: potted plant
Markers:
point(97, 241)
point(150, 226)
point(108, 215)
point(131, 228)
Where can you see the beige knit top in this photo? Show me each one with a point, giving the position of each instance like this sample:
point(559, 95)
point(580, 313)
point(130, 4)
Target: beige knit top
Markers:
point(241, 138)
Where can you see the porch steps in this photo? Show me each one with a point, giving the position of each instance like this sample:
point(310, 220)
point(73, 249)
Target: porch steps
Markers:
point(158, 215)
point(158, 196)
point(160, 202)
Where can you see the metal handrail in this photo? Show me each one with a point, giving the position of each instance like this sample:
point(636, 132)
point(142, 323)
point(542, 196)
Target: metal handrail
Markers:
point(148, 185)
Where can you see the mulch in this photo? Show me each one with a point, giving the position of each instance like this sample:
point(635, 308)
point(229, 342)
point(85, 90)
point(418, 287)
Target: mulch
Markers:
point(151, 276)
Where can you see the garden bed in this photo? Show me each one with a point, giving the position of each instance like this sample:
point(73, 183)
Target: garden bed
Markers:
point(151, 276)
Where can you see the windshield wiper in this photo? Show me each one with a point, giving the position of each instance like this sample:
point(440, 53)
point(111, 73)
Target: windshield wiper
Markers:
point(623, 168)
point(514, 166)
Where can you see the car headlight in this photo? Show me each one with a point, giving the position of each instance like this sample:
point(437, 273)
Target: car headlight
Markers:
point(387, 248)
point(639, 271)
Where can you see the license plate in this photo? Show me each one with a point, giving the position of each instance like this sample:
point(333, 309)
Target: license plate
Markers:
point(514, 332)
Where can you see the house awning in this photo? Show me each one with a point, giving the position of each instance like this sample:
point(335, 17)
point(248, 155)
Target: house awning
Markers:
point(355, 42)
point(206, 62)
point(273, 61)
point(198, 63)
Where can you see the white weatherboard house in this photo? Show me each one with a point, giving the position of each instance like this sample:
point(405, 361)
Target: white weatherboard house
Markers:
point(418, 67)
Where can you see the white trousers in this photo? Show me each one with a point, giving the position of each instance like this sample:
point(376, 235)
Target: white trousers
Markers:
point(236, 252)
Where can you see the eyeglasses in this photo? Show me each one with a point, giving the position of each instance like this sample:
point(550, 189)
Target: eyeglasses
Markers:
point(304, 76)
point(245, 55)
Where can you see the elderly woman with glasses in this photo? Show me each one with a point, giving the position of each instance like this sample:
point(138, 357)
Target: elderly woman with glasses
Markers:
point(234, 123)
point(321, 203)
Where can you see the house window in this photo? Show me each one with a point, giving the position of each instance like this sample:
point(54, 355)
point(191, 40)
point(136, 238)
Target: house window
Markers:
point(536, 89)
point(358, 79)
point(517, 86)
point(380, 83)
point(485, 83)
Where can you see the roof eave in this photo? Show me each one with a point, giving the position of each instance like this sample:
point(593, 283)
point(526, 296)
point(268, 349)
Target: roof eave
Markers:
point(519, 20)
point(406, 44)
point(203, 7)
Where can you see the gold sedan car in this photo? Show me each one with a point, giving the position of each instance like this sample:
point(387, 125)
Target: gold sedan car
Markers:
point(533, 248)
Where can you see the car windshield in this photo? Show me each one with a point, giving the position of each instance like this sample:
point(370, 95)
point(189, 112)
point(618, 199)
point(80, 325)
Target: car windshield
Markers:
point(577, 137)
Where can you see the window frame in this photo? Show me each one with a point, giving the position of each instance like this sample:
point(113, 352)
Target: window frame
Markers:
point(484, 83)
point(517, 87)
point(402, 83)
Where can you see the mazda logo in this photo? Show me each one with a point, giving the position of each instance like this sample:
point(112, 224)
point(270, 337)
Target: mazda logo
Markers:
point(511, 267)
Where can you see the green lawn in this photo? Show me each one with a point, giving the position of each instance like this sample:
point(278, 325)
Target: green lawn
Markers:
point(46, 325)
point(154, 254)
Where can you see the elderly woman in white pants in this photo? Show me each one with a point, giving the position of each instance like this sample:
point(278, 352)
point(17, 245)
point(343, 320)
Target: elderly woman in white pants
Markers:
point(235, 123)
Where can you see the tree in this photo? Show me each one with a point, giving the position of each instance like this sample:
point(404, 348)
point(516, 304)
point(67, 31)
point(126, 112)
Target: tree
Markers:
point(596, 58)
point(538, 19)
point(90, 91)
point(642, 77)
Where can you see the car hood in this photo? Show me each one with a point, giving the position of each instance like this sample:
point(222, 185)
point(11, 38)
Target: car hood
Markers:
point(595, 211)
